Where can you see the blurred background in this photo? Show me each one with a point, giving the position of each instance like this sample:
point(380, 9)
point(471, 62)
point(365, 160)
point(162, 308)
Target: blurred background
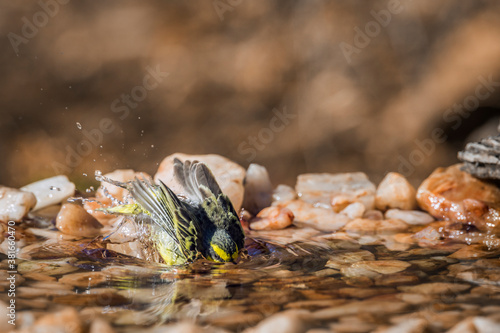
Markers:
point(297, 86)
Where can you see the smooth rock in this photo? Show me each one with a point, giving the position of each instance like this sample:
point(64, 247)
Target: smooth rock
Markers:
point(354, 210)
point(229, 175)
point(15, 204)
point(258, 189)
point(84, 279)
point(284, 193)
point(414, 325)
point(436, 288)
point(133, 249)
point(486, 325)
point(99, 325)
point(413, 217)
point(64, 321)
point(273, 218)
point(338, 190)
point(290, 321)
point(74, 220)
point(48, 267)
point(378, 307)
point(455, 195)
point(50, 191)
point(320, 218)
point(395, 192)
point(465, 326)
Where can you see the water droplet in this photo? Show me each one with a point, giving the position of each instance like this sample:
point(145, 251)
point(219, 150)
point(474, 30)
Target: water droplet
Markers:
point(78, 125)
point(52, 188)
point(152, 146)
point(66, 107)
point(139, 117)
point(84, 174)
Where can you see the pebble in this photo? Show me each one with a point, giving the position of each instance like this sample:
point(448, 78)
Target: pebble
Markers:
point(474, 251)
point(436, 288)
point(284, 193)
point(367, 306)
point(74, 220)
point(486, 325)
point(133, 249)
point(50, 191)
point(100, 325)
point(413, 217)
point(360, 227)
point(395, 192)
point(465, 326)
point(15, 204)
point(64, 321)
point(258, 189)
point(455, 195)
point(354, 210)
point(48, 267)
point(84, 279)
point(338, 190)
point(229, 175)
point(414, 325)
point(289, 321)
point(272, 218)
point(324, 219)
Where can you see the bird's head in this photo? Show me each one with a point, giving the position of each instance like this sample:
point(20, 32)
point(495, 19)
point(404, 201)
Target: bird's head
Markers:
point(222, 247)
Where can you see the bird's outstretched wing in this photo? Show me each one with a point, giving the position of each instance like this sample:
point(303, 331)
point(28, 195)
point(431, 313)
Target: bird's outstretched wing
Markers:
point(168, 213)
point(197, 180)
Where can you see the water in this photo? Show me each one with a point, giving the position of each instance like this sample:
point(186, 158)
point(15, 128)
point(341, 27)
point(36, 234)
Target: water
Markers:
point(277, 274)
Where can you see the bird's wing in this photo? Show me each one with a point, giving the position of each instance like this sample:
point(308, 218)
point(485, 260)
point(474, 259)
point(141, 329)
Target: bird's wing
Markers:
point(169, 213)
point(197, 180)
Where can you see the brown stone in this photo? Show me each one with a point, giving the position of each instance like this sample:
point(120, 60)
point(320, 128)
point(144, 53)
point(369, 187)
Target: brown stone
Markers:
point(74, 220)
point(455, 195)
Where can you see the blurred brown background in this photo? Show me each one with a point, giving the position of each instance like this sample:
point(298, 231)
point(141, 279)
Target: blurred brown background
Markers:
point(372, 86)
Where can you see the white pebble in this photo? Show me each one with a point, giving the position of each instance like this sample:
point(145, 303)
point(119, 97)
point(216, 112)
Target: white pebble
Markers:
point(15, 204)
point(50, 191)
point(414, 217)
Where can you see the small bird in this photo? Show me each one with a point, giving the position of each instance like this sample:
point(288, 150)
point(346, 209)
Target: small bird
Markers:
point(202, 221)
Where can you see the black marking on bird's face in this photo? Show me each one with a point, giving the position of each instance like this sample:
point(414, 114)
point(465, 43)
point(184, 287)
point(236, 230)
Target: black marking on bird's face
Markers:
point(222, 248)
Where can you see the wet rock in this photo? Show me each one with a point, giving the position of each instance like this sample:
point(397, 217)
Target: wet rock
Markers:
point(99, 325)
point(234, 320)
point(15, 204)
point(352, 324)
point(486, 325)
point(360, 227)
point(48, 267)
point(395, 192)
point(273, 218)
point(373, 269)
point(133, 249)
point(338, 190)
point(284, 193)
point(122, 230)
point(50, 191)
point(368, 306)
point(354, 210)
point(74, 220)
point(84, 279)
point(290, 321)
point(63, 321)
point(465, 326)
point(397, 279)
point(436, 288)
point(475, 251)
point(373, 215)
point(50, 234)
point(364, 292)
point(258, 189)
point(455, 195)
point(415, 298)
point(408, 326)
point(320, 218)
point(314, 304)
point(229, 175)
point(413, 217)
